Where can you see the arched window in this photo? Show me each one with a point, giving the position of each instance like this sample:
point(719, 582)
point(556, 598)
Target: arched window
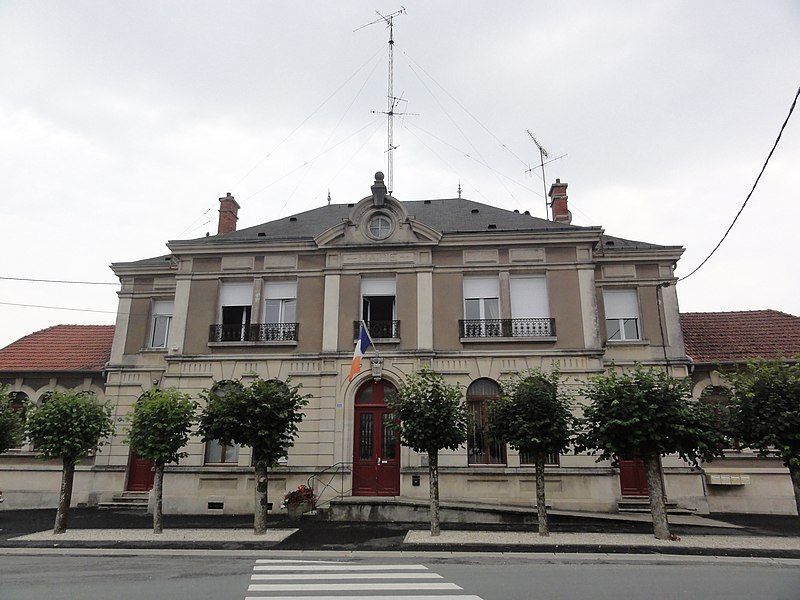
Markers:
point(216, 453)
point(19, 401)
point(481, 450)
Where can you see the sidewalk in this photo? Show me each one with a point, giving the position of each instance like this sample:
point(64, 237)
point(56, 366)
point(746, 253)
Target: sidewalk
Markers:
point(743, 535)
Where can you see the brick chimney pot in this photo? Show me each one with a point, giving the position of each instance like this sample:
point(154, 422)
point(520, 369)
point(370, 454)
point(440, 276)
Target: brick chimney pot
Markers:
point(558, 202)
point(228, 214)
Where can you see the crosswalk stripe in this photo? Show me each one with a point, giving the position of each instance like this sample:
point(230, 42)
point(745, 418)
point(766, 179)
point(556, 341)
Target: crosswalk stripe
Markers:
point(278, 576)
point(292, 560)
point(340, 567)
point(370, 597)
point(339, 587)
point(414, 597)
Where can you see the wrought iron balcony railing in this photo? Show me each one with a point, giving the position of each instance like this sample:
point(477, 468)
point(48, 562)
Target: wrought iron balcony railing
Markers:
point(507, 328)
point(258, 332)
point(379, 329)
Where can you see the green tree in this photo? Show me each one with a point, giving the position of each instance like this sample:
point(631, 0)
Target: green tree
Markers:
point(431, 416)
point(12, 424)
point(766, 413)
point(534, 418)
point(646, 413)
point(159, 428)
point(262, 415)
point(68, 426)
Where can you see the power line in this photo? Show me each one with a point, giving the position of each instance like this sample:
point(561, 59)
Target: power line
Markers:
point(58, 281)
point(110, 312)
point(303, 122)
point(763, 167)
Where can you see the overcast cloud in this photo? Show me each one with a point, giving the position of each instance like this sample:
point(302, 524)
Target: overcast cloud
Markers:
point(121, 125)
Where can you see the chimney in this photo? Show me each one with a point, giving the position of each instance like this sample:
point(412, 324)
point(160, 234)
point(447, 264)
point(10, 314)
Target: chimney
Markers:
point(558, 202)
point(228, 214)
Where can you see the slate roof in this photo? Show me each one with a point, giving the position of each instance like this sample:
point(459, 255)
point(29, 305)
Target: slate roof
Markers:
point(80, 348)
point(448, 215)
point(711, 337)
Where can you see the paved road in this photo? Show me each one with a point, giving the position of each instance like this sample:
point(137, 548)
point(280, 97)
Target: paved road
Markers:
point(160, 576)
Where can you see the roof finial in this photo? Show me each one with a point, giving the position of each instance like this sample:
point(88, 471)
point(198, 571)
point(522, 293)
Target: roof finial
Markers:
point(329, 196)
point(459, 188)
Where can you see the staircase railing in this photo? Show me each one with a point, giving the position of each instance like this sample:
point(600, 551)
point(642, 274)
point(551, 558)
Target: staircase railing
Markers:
point(326, 479)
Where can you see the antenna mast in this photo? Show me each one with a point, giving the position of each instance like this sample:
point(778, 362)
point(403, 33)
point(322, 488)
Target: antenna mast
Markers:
point(542, 155)
point(391, 100)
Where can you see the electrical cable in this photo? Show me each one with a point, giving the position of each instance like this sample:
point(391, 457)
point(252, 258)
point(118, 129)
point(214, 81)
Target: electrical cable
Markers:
point(303, 122)
point(764, 166)
point(464, 108)
point(58, 281)
point(110, 312)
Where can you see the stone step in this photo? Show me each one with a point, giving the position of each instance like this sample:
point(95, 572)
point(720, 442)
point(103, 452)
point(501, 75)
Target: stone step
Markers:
point(125, 505)
point(642, 505)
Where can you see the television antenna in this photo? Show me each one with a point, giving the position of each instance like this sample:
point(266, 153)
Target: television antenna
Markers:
point(392, 101)
point(542, 155)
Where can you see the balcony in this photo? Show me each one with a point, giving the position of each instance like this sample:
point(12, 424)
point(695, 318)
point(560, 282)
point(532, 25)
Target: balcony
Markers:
point(380, 330)
point(258, 333)
point(475, 330)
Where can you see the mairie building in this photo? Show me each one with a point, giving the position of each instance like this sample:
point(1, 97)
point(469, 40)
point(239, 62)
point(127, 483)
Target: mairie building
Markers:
point(472, 291)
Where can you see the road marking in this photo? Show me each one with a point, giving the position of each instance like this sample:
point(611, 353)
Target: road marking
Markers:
point(278, 576)
point(340, 567)
point(276, 561)
point(404, 597)
point(340, 587)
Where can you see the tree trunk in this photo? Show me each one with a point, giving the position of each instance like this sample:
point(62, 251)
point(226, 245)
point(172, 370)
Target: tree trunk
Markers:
point(261, 504)
point(541, 506)
point(795, 473)
point(655, 488)
point(158, 492)
point(65, 497)
point(433, 479)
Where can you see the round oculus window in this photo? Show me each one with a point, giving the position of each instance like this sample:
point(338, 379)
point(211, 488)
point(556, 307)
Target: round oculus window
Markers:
point(380, 227)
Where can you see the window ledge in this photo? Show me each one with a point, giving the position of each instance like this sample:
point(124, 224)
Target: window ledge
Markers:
point(378, 340)
point(154, 350)
point(627, 342)
point(527, 340)
point(252, 343)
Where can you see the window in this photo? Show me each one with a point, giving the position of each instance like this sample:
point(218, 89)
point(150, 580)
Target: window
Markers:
point(527, 458)
point(622, 314)
point(280, 301)
point(235, 300)
point(530, 307)
point(160, 324)
point(217, 454)
point(481, 307)
point(380, 227)
point(481, 450)
point(19, 402)
point(378, 307)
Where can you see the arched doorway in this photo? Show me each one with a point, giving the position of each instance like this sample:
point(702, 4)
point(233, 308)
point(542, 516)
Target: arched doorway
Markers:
point(376, 443)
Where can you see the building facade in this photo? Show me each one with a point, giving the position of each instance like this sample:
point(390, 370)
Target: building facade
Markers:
point(475, 292)
point(59, 358)
point(720, 342)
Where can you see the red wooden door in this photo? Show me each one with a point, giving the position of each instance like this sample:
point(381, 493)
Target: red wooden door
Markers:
point(140, 474)
point(376, 444)
point(632, 478)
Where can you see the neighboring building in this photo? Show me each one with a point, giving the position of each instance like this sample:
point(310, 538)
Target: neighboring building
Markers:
point(474, 291)
point(62, 357)
point(718, 342)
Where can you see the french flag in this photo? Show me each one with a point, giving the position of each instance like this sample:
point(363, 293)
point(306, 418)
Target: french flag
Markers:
point(362, 344)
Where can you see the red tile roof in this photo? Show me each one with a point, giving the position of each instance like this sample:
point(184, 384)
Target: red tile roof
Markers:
point(712, 337)
point(60, 348)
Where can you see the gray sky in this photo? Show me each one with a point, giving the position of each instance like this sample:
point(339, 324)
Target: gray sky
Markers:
point(121, 125)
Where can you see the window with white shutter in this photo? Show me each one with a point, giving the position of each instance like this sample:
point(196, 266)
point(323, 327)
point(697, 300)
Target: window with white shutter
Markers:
point(622, 315)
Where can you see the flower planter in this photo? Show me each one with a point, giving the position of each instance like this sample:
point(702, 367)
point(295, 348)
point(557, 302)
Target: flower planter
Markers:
point(297, 510)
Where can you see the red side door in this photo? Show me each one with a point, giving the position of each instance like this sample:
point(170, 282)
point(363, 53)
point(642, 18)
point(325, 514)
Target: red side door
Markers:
point(140, 474)
point(632, 478)
point(376, 444)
